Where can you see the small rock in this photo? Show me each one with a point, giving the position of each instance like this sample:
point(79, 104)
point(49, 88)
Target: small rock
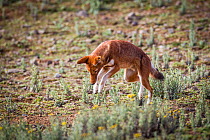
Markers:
point(13, 71)
point(206, 60)
point(165, 25)
point(69, 60)
point(195, 88)
point(75, 48)
point(36, 32)
point(41, 31)
point(58, 75)
point(188, 62)
point(143, 32)
point(49, 62)
point(29, 37)
point(105, 18)
point(110, 30)
point(82, 13)
point(171, 30)
point(161, 48)
point(34, 127)
point(119, 32)
point(27, 73)
point(21, 97)
point(65, 101)
point(131, 16)
point(132, 19)
point(200, 28)
point(134, 23)
point(24, 88)
point(26, 26)
point(175, 49)
point(37, 106)
point(90, 41)
point(56, 60)
point(24, 115)
point(178, 3)
point(34, 60)
point(47, 98)
point(196, 58)
point(2, 79)
point(42, 127)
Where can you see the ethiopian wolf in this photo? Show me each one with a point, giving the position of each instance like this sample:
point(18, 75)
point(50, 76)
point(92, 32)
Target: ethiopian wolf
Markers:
point(110, 56)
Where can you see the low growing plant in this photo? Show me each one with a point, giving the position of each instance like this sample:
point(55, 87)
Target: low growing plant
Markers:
point(183, 8)
point(150, 40)
point(35, 83)
point(192, 34)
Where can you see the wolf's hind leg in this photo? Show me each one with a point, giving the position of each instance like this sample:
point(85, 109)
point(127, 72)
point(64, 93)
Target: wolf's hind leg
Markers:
point(131, 75)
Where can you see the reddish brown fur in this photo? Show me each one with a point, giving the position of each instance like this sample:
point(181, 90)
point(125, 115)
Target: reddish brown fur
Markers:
point(125, 55)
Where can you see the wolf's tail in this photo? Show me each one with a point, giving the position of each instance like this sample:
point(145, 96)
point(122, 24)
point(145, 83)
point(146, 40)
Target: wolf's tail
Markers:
point(155, 73)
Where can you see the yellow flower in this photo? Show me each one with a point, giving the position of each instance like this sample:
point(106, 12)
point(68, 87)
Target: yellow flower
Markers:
point(131, 95)
point(165, 116)
point(136, 135)
point(1, 128)
point(141, 111)
point(158, 114)
point(30, 131)
point(54, 124)
point(188, 123)
point(132, 99)
point(85, 134)
point(63, 123)
point(170, 111)
point(51, 114)
point(101, 128)
point(78, 112)
point(95, 107)
point(146, 96)
point(113, 126)
point(150, 103)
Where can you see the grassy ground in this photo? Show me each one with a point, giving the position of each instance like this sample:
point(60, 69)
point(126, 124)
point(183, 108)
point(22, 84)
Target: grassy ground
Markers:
point(45, 95)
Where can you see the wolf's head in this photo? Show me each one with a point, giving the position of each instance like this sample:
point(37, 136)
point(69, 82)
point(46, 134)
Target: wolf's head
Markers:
point(93, 65)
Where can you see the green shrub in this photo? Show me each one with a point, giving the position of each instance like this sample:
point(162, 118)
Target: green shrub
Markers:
point(192, 34)
point(122, 121)
point(35, 83)
point(183, 7)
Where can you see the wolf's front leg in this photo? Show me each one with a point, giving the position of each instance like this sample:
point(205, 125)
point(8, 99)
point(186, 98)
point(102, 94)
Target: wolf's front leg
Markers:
point(101, 73)
point(149, 97)
point(95, 87)
point(111, 71)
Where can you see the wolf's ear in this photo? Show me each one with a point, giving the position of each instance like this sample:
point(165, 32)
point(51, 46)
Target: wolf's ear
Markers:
point(83, 60)
point(97, 60)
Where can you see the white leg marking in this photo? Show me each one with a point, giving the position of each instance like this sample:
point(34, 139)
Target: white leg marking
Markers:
point(149, 97)
point(100, 75)
point(95, 87)
point(103, 76)
point(140, 93)
point(104, 79)
point(124, 76)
